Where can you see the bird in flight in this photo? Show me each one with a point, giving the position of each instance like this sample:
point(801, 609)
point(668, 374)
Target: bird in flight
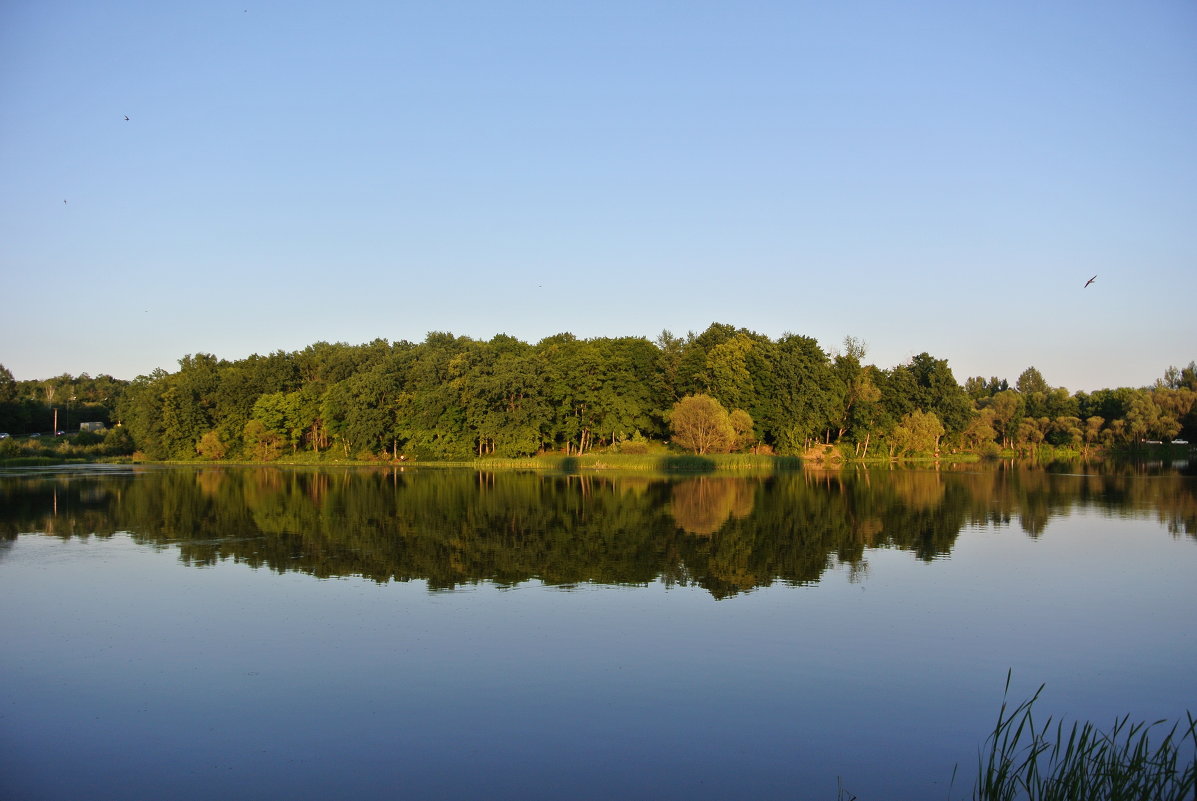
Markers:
point(1090, 281)
point(126, 118)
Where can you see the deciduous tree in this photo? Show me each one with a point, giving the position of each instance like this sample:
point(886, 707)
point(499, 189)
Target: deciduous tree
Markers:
point(701, 424)
point(916, 432)
point(742, 425)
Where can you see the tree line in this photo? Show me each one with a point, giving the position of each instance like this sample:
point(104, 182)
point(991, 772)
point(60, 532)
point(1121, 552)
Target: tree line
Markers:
point(451, 397)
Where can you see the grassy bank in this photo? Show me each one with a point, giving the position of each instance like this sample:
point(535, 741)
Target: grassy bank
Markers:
point(660, 459)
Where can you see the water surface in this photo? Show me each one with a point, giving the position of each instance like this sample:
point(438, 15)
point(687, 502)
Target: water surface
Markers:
point(253, 633)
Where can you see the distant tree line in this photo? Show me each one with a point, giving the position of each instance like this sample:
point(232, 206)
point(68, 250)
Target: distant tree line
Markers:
point(727, 388)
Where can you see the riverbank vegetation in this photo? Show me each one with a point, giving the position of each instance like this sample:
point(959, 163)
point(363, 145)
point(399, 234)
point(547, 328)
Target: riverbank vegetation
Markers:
point(1023, 760)
point(449, 398)
point(1050, 762)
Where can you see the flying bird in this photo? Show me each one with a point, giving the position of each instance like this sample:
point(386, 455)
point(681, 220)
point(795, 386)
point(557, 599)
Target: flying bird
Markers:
point(1090, 281)
point(126, 118)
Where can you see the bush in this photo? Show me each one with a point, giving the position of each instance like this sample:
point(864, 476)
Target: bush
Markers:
point(87, 438)
point(118, 442)
point(211, 446)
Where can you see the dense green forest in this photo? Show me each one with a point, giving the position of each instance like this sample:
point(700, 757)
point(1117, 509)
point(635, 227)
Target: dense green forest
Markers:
point(453, 398)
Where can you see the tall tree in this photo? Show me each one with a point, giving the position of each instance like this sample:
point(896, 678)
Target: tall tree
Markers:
point(858, 390)
point(8, 386)
point(188, 404)
point(937, 391)
point(502, 395)
point(1008, 409)
point(1031, 380)
point(141, 411)
point(430, 417)
point(802, 393)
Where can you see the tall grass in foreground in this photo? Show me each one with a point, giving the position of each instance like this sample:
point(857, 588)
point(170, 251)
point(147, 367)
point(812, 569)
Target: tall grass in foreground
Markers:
point(1050, 762)
point(1023, 761)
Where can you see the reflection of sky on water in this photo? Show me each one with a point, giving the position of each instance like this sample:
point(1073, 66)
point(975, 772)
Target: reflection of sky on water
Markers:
point(128, 674)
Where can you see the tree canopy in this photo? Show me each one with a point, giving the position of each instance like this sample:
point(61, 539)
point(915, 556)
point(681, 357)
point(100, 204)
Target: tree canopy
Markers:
point(453, 397)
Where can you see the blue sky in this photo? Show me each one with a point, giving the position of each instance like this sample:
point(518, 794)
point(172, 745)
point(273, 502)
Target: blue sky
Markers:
point(924, 176)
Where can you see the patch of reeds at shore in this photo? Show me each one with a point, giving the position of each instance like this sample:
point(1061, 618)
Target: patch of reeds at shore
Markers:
point(1054, 762)
point(1024, 760)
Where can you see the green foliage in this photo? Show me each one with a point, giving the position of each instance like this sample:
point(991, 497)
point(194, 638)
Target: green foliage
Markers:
point(1007, 408)
point(980, 433)
point(700, 423)
point(979, 389)
point(638, 445)
point(916, 433)
point(83, 446)
point(87, 438)
point(1031, 381)
point(8, 386)
point(118, 441)
point(263, 444)
point(857, 409)
point(212, 446)
point(28, 407)
point(742, 425)
point(801, 393)
point(455, 398)
point(935, 390)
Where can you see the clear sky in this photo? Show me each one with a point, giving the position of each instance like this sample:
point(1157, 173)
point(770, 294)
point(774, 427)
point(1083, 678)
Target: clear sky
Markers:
point(925, 176)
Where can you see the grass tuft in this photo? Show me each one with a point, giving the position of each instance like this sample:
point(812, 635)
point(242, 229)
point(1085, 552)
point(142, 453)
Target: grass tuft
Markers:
point(1023, 761)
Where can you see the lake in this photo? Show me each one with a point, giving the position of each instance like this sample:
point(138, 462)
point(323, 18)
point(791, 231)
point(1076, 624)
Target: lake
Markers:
point(177, 632)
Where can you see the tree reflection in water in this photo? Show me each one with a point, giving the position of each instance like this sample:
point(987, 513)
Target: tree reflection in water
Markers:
point(449, 528)
point(702, 505)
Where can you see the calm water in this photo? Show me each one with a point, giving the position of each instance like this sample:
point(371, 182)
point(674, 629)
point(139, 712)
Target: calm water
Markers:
point(265, 633)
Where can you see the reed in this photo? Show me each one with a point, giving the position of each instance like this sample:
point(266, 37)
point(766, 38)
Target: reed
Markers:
point(1025, 761)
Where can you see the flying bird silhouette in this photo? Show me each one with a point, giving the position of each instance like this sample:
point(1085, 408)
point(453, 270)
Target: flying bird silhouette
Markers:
point(126, 118)
point(1090, 281)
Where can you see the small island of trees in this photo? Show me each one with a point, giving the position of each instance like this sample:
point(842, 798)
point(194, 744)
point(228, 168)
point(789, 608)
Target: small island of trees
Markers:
point(452, 398)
